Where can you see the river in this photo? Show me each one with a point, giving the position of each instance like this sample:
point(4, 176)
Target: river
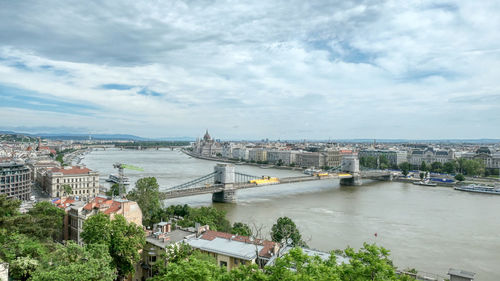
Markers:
point(427, 228)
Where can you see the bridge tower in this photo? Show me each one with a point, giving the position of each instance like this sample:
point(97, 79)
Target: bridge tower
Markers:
point(225, 175)
point(350, 164)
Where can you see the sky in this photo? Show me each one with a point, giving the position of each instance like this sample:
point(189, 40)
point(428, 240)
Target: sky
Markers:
point(252, 69)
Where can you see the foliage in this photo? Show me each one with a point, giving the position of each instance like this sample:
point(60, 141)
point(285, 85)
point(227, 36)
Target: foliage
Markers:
point(460, 177)
point(369, 263)
point(405, 168)
point(285, 229)
point(22, 268)
point(423, 166)
point(216, 219)
point(147, 194)
point(242, 229)
point(123, 239)
point(44, 221)
point(67, 189)
point(9, 209)
point(73, 262)
point(474, 167)
point(16, 245)
point(192, 268)
point(450, 167)
point(436, 167)
point(115, 190)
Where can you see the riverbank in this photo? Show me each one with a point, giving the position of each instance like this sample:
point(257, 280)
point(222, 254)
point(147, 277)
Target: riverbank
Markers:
point(263, 166)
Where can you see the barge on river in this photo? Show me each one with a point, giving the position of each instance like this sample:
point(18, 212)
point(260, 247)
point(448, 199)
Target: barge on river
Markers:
point(479, 189)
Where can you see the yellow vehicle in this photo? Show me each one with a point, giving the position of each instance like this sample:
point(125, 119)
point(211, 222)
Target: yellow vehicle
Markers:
point(322, 174)
point(345, 175)
point(265, 180)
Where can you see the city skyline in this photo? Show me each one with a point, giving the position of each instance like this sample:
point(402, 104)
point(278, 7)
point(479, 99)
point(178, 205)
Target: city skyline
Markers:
point(383, 70)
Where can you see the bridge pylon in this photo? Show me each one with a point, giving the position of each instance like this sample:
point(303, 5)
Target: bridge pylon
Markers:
point(350, 164)
point(225, 175)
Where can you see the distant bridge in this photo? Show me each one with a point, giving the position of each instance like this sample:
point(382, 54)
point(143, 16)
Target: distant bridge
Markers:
point(224, 181)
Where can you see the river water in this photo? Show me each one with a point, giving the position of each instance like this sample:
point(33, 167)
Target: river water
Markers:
point(427, 228)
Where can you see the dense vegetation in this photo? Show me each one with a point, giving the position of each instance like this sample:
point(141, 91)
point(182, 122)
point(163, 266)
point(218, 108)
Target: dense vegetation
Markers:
point(27, 243)
point(369, 263)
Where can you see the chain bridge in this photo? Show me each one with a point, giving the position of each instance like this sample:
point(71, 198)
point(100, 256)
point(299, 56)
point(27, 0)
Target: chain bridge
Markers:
point(223, 182)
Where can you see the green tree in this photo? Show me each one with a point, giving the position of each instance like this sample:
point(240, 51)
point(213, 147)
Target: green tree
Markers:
point(450, 167)
point(423, 166)
point(369, 263)
point(216, 219)
point(23, 267)
point(474, 167)
point(73, 262)
point(67, 189)
point(240, 228)
point(44, 221)
point(147, 194)
point(436, 167)
point(123, 239)
point(194, 268)
point(284, 230)
point(460, 177)
point(422, 175)
point(405, 168)
point(114, 190)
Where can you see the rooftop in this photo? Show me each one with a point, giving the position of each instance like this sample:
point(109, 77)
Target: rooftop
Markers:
point(170, 238)
point(226, 247)
point(75, 170)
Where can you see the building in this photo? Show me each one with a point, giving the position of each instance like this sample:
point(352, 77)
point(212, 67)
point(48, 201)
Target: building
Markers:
point(395, 157)
point(231, 250)
point(285, 157)
point(310, 252)
point(207, 146)
point(257, 155)
point(40, 167)
point(488, 156)
point(430, 155)
point(310, 159)
point(15, 180)
point(240, 153)
point(83, 182)
point(160, 240)
point(79, 211)
point(333, 158)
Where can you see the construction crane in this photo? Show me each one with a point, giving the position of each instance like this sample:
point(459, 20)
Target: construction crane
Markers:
point(120, 167)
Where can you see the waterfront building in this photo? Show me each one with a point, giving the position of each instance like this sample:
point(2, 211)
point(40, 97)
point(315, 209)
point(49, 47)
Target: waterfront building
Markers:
point(257, 155)
point(395, 157)
point(83, 182)
point(15, 180)
point(430, 155)
point(286, 157)
point(231, 251)
point(310, 159)
point(333, 158)
point(79, 211)
point(241, 153)
point(207, 146)
point(488, 155)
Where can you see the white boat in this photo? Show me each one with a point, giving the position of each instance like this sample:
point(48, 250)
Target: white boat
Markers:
point(478, 188)
point(425, 182)
point(311, 171)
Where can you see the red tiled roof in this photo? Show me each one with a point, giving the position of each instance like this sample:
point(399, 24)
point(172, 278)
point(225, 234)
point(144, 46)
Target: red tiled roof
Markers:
point(268, 245)
point(75, 170)
point(113, 208)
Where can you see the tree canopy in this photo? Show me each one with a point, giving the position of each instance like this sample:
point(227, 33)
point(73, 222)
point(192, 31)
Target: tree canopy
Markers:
point(284, 230)
point(147, 194)
point(123, 239)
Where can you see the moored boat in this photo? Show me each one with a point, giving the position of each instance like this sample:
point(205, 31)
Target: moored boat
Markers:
point(425, 182)
point(478, 188)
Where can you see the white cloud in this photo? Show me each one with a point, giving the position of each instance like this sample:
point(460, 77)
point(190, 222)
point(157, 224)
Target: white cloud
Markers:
point(333, 69)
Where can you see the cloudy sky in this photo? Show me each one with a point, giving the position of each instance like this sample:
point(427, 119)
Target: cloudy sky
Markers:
point(252, 69)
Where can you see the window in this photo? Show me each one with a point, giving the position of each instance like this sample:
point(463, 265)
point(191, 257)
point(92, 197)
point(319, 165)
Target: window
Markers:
point(223, 264)
point(236, 261)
